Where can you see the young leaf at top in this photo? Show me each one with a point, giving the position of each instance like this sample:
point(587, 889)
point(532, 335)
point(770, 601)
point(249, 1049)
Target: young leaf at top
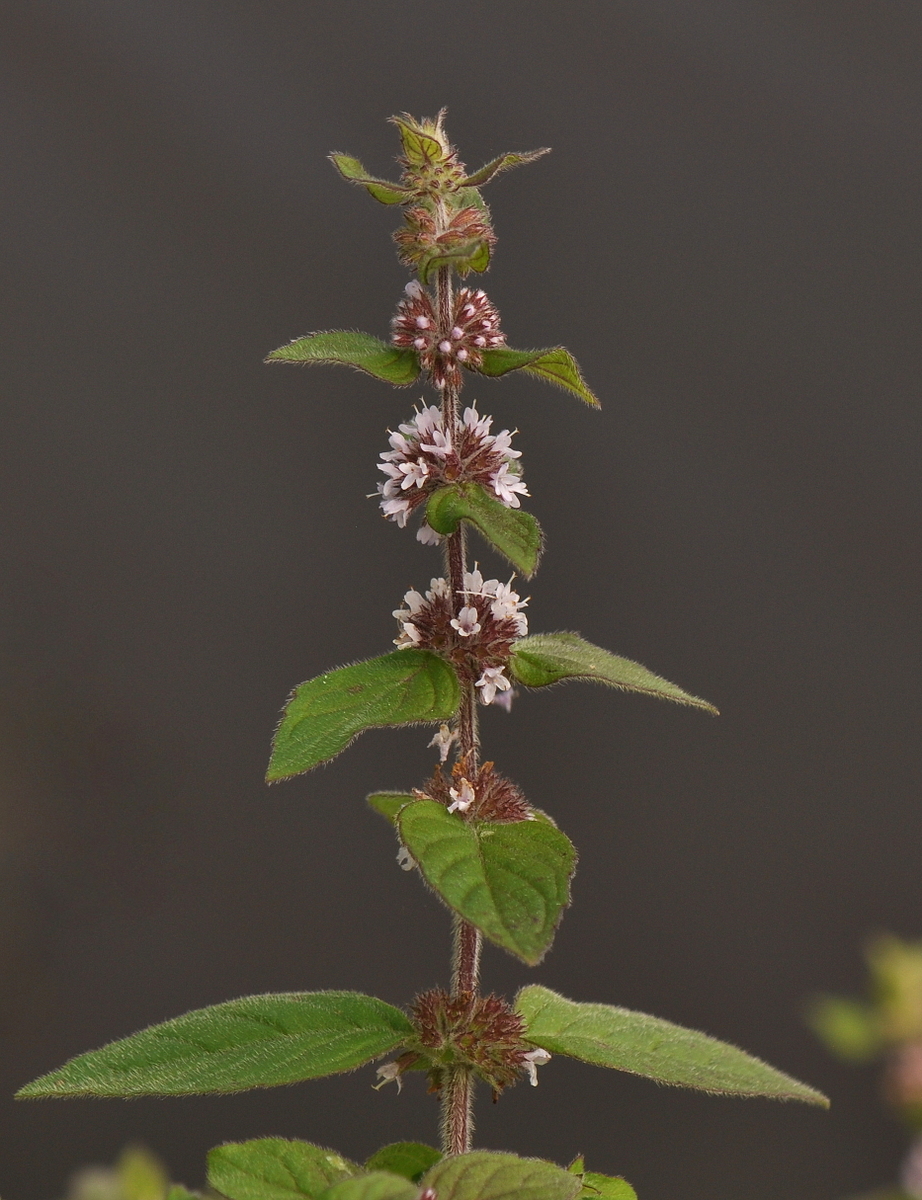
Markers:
point(486, 1175)
point(409, 1159)
point(505, 162)
point(257, 1041)
point(512, 531)
point(377, 1185)
point(510, 880)
point(353, 349)
point(648, 1046)
point(323, 715)
point(275, 1169)
point(381, 189)
point(557, 366)
point(551, 657)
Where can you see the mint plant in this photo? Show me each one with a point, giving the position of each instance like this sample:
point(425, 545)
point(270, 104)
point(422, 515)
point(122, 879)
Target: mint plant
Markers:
point(502, 867)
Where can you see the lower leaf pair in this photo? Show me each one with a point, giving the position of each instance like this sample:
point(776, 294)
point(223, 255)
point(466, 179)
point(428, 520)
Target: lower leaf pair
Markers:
point(276, 1169)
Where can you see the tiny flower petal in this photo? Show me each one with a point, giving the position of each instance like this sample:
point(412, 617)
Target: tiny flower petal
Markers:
point(533, 1060)
point(405, 859)
point(443, 740)
point(389, 1073)
point(463, 797)
point(466, 621)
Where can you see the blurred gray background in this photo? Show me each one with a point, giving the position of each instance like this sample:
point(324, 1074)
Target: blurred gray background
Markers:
point(727, 237)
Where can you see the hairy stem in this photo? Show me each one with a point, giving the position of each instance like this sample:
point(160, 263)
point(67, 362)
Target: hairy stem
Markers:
point(457, 1095)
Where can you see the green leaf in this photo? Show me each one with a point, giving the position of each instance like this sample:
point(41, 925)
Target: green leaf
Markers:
point(420, 147)
point(323, 715)
point(510, 880)
point(606, 1187)
point(353, 349)
point(378, 1185)
point(557, 366)
point(178, 1192)
point(512, 531)
point(141, 1175)
point(258, 1041)
point(485, 1175)
point(389, 804)
point(849, 1028)
point(381, 189)
point(472, 255)
point(275, 1169)
point(648, 1046)
point(409, 1159)
point(551, 657)
point(505, 162)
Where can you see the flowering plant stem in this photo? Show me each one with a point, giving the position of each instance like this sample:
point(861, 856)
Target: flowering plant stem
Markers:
point(500, 865)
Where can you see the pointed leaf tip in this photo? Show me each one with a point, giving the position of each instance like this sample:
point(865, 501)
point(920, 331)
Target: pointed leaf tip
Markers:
point(505, 162)
point(557, 366)
point(257, 1041)
point(512, 531)
point(381, 189)
point(350, 348)
point(547, 658)
point(643, 1045)
point(322, 717)
point(510, 880)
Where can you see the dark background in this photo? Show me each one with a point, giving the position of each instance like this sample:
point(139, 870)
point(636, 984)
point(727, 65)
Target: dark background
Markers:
point(726, 236)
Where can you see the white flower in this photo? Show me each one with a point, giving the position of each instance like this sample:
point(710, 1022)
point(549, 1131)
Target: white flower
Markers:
point(490, 682)
point(478, 424)
point(533, 1060)
point(438, 588)
point(462, 798)
point(439, 443)
point(409, 636)
point(502, 442)
point(506, 484)
point(413, 600)
point(504, 700)
point(507, 602)
point(390, 1072)
point(405, 859)
point(397, 510)
point(443, 740)
point(473, 582)
point(466, 621)
point(416, 471)
point(427, 535)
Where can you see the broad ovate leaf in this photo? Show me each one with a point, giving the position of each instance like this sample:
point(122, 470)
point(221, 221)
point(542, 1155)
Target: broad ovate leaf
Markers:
point(505, 162)
point(257, 1041)
point(409, 1159)
point(351, 348)
point(487, 1175)
point(275, 1169)
point(557, 366)
point(513, 532)
point(649, 1046)
point(376, 1185)
point(547, 658)
point(323, 715)
point(381, 189)
point(510, 880)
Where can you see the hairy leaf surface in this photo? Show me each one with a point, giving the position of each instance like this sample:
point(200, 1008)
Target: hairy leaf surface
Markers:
point(324, 715)
point(389, 804)
point(409, 1159)
point(510, 880)
point(485, 1175)
point(275, 1169)
point(513, 532)
point(557, 366)
point(353, 349)
point(258, 1041)
point(381, 189)
point(377, 1185)
point(505, 162)
point(547, 658)
point(649, 1046)
point(606, 1187)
